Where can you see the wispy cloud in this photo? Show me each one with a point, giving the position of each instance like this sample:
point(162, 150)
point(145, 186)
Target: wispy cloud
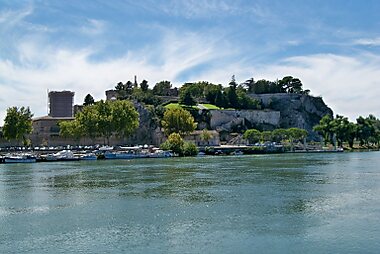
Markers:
point(10, 18)
point(198, 8)
point(368, 42)
point(93, 27)
point(54, 68)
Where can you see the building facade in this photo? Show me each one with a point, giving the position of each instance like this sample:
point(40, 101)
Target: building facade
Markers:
point(61, 103)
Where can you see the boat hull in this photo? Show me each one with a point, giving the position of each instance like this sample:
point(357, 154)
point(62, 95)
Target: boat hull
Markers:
point(17, 160)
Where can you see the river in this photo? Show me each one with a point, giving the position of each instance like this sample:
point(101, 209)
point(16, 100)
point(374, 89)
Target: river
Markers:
point(286, 203)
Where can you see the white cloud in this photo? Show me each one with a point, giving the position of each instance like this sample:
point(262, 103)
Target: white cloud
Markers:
point(41, 67)
point(368, 41)
point(349, 85)
point(10, 18)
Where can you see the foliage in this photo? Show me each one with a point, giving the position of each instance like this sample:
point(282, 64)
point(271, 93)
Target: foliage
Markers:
point(279, 135)
point(252, 135)
point(186, 98)
point(296, 134)
point(366, 130)
point(178, 120)
point(162, 88)
point(205, 135)
point(174, 143)
point(343, 129)
point(124, 90)
point(17, 124)
point(88, 100)
point(324, 128)
point(144, 85)
point(103, 119)
point(266, 136)
point(233, 100)
point(71, 129)
point(190, 149)
point(287, 84)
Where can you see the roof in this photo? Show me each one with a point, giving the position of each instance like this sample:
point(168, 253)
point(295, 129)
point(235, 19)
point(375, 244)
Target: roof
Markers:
point(50, 118)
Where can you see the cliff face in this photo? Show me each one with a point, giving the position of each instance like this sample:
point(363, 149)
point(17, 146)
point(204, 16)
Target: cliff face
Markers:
point(296, 110)
point(228, 119)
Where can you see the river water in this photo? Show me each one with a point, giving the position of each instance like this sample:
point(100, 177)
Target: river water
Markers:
point(287, 203)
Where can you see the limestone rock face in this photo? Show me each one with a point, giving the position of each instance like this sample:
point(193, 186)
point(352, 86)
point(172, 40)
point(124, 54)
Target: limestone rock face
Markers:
point(296, 110)
point(227, 120)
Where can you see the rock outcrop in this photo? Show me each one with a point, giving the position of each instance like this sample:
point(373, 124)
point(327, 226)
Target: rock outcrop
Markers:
point(296, 110)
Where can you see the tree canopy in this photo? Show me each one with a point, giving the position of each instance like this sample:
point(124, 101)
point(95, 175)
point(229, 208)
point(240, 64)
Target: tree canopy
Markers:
point(178, 120)
point(17, 124)
point(88, 100)
point(366, 130)
point(103, 119)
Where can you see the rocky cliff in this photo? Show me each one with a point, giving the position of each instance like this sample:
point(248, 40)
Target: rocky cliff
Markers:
point(296, 110)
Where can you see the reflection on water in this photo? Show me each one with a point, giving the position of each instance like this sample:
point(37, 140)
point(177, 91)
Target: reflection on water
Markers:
point(290, 202)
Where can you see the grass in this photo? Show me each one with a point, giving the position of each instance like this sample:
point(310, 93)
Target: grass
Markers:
point(210, 106)
point(172, 105)
point(177, 105)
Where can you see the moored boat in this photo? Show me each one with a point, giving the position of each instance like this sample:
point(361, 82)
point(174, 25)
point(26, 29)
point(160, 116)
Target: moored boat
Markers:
point(161, 154)
point(65, 155)
point(88, 157)
point(20, 158)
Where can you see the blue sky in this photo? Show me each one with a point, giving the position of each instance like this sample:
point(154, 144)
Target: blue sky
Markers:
point(89, 46)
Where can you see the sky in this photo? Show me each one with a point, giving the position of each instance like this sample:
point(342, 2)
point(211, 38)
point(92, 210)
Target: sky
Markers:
point(333, 47)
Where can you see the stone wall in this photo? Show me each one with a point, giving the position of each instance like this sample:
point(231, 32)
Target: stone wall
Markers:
point(227, 119)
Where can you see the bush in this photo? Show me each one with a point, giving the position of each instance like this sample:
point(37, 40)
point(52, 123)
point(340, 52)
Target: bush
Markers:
point(190, 149)
point(176, 144)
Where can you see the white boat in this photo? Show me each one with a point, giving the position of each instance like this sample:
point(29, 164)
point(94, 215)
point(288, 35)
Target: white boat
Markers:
point(88, 157)
point(123, 155)
point(161, 154)
point(20, 158)
point(65, 155)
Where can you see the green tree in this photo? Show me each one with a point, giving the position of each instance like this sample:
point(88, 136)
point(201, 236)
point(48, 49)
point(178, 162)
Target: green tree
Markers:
point(162, 88)
point(144, 85)
point(178, 120)
point(295, 135)
point(17, 124)
point(246, 102)
point(232, 95)
point(342, 129)
point(88, 100)
point(103, 119)
point(279, 135)
point(324, 128)
point(365, 130)
point(211, 91)
point(252, 135)
point(221, 99)
point(186, 98)
point(190, 149)
point(88, 121)
point(266, 136)
point(70, 129)
point(125, 118)
point(289, 84)
point(174, 143)
point(205, 135)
